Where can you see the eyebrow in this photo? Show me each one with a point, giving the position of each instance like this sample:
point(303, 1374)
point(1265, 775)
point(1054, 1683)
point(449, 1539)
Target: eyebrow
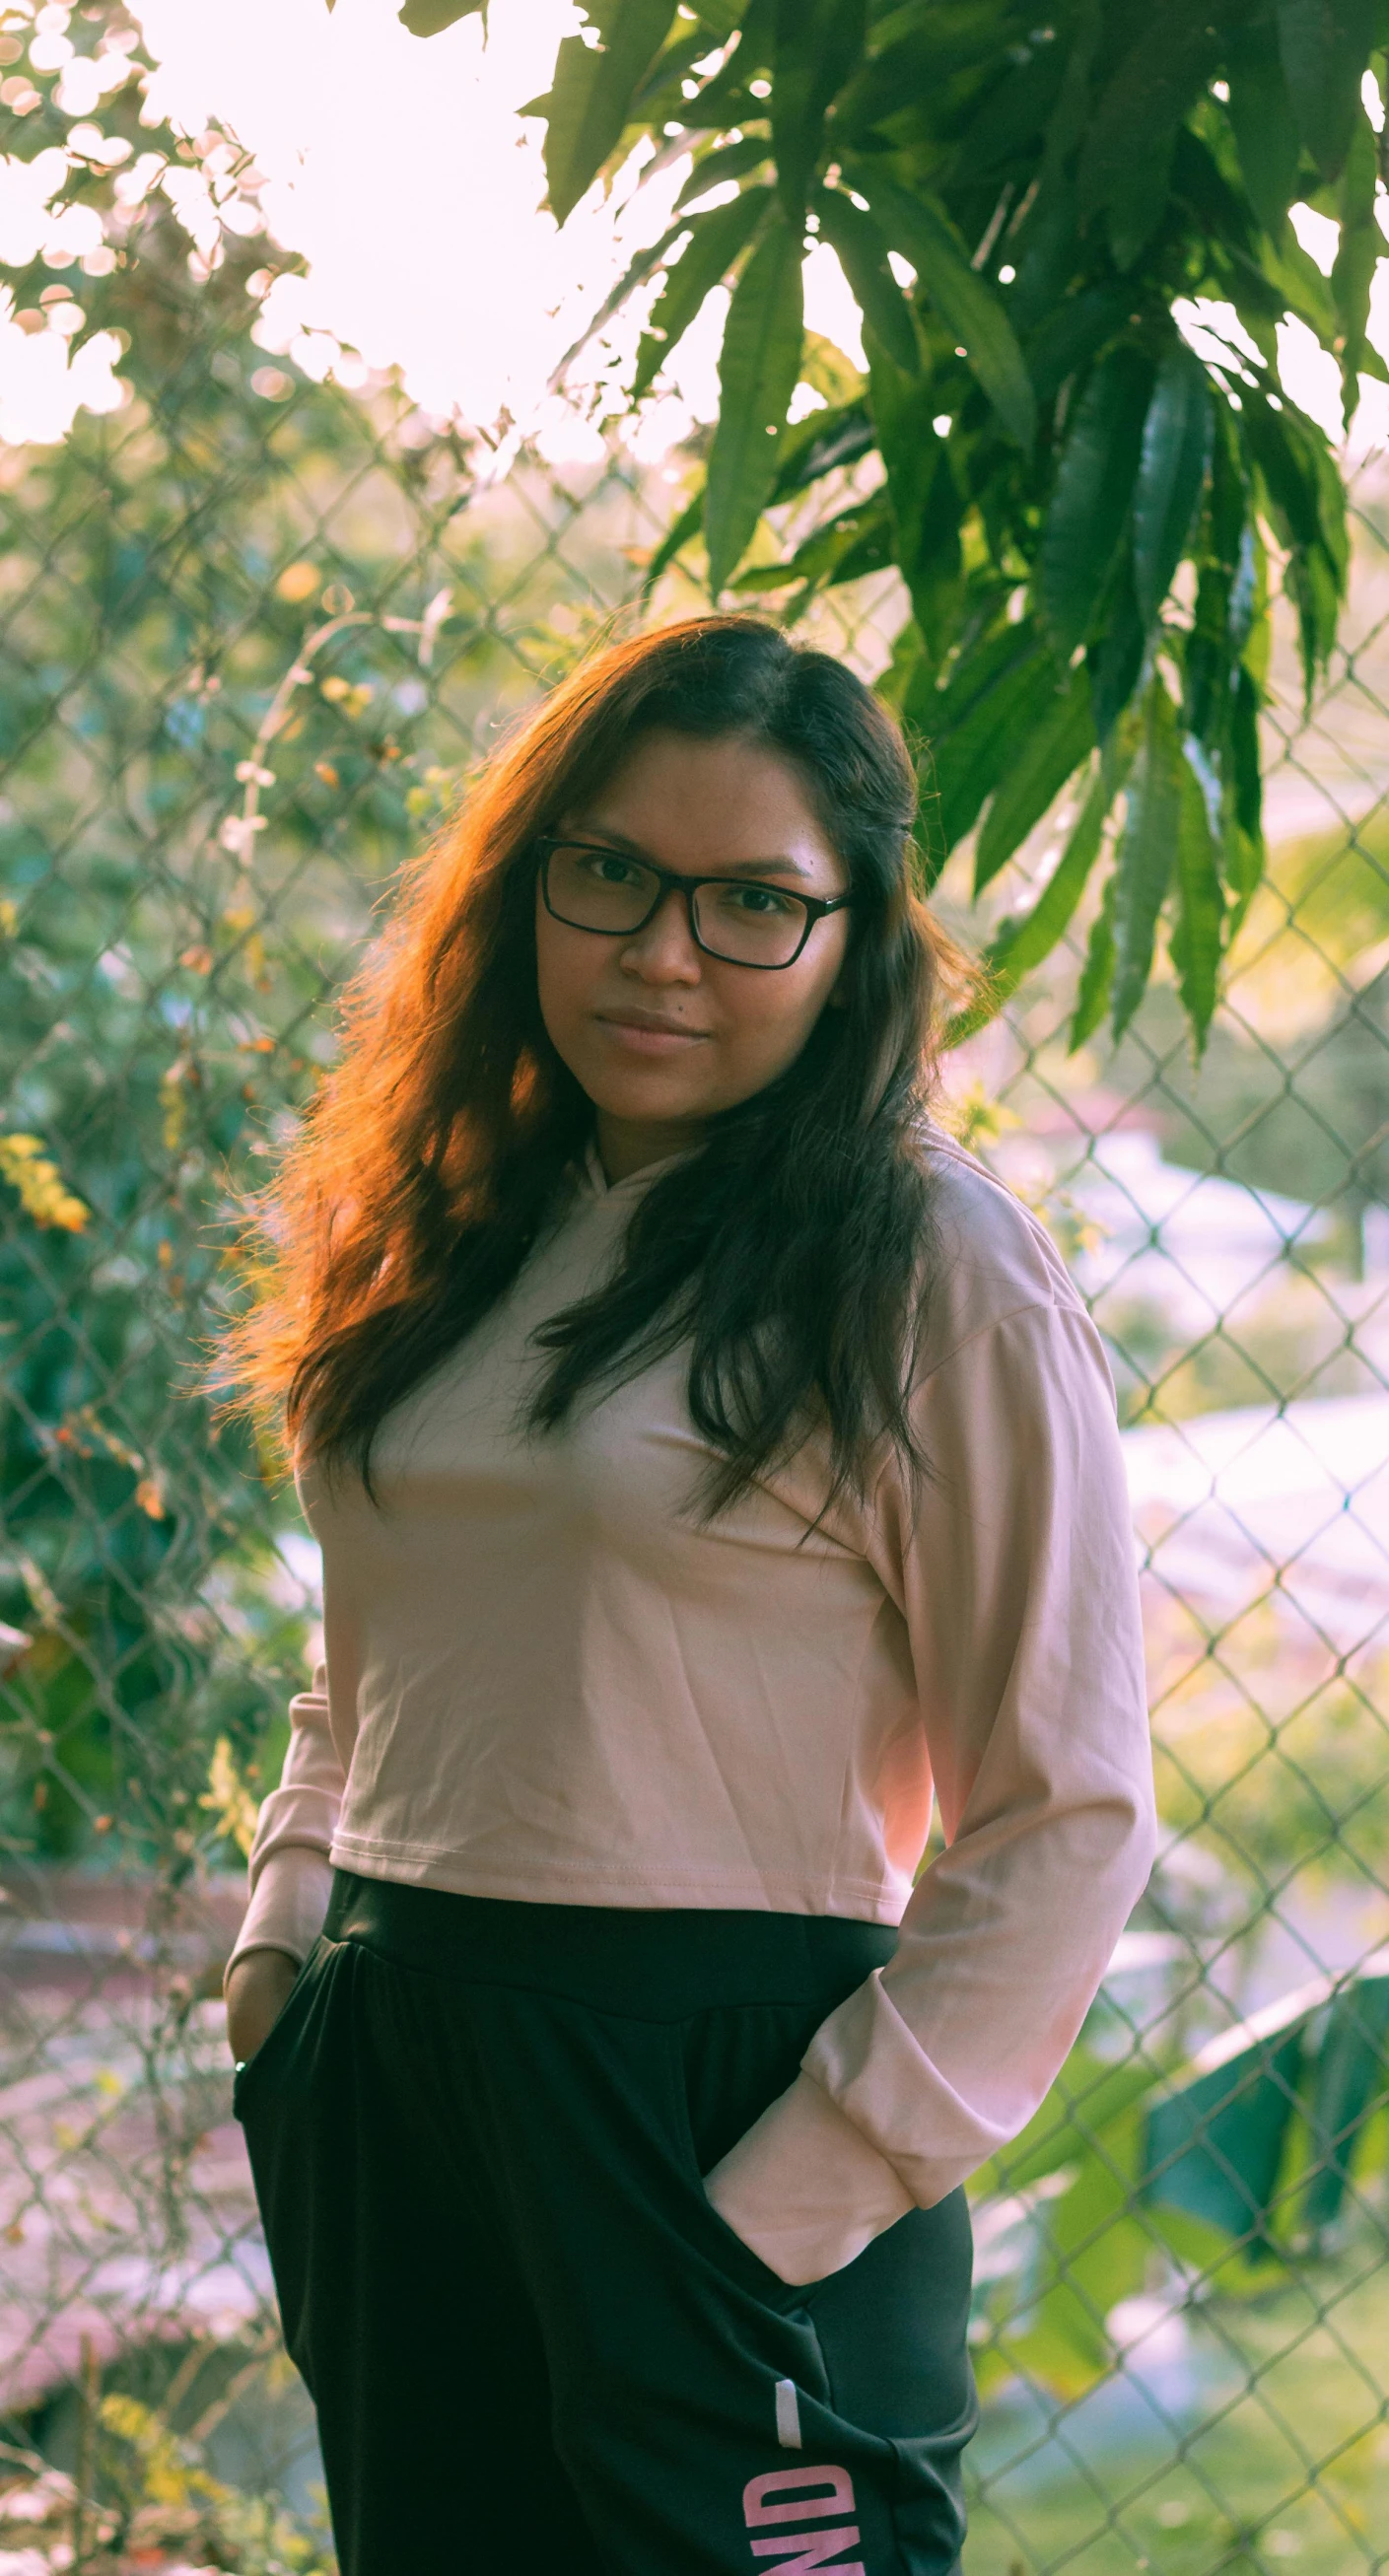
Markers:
point(753, 868)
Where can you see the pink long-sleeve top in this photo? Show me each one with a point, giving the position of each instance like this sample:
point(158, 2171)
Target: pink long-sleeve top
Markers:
point(547, 1679)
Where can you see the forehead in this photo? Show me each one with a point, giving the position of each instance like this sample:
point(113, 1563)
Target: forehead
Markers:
point(691, 804)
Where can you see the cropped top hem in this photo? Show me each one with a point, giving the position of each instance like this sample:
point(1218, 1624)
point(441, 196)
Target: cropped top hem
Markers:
point(595, 1883)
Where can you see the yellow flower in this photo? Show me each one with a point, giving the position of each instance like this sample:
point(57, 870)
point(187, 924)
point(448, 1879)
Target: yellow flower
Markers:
point(42, 1190)
point(228, 1798)
point(298, 582)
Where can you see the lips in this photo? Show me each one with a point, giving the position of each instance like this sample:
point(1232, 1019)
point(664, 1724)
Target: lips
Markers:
point(647, 1027)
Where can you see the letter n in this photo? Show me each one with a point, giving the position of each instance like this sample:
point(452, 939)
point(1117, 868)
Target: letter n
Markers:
point(757, 2507)
point(812, 2549)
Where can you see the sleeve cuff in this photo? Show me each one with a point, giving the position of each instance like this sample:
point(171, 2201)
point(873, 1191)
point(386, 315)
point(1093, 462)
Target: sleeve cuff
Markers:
point(804, 2188)
point(288, 1904)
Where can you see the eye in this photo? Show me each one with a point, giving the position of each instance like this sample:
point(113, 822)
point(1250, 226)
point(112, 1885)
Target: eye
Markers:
point(763, 903)
point(610, 868)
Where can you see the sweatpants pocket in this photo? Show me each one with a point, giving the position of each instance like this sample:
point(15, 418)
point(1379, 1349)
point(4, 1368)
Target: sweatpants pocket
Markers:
point(891, 2328)
point(248, 2076)
point(724, 2068)
point(295, 2100)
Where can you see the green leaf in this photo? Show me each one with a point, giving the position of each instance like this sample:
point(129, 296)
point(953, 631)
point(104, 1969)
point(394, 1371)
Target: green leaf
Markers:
point(1074, 332)
point(903, 662)
point(1316, 595)
point(1224, 593)
point(1325, 46)
point(1242, 866)
point(1049, 253)
point(1087, 2256)
point(1214, 2144)
point(1147, 850)
point(1116, 662)
point(1091, 497)
point(1171, 471)
point(1086, 2097)
point(613, 302)
point(1266, 137)
point(1197, 936)
point(688, 525)
point(725, 99)
point(758, 366)
point(1048, 754)
point(661, 94)
point(588, 102)
point(1295, 284)
point(858, 244)
point(1125, 161)
point(1098, 971)
point(1251, 628)
point(818, 44)
point(430, 17)
point(815, 446)
point(1093, 2253)
point(1349, 2091)
point(916, 64)
point(1139, 201)
point(828, 372)
point(1218, 222)
point(857, 540)
point(715, 240)
point(1024, 942)
point(1242, 853)
point(729, 161)
point(919, 229)
point(1244, 739)
point(1012, 111)
point(1126, 154)
point(927, 505)
point(821, 442)
point(1307, 504)
point(972, 726)
point(1357, 256)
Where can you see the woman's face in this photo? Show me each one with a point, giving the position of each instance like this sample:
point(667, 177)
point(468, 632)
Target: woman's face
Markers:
point(660, 1035)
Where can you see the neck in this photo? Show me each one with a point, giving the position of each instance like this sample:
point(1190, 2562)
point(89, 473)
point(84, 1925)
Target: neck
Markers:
point(627, 1145)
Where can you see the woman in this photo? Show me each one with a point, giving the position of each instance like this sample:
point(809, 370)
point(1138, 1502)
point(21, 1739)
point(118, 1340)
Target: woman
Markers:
point(707, 1458)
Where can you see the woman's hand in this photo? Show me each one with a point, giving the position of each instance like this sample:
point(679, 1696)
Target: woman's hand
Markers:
point(257, 1992)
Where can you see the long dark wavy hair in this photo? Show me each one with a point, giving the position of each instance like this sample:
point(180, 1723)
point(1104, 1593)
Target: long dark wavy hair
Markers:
point(793, 1252)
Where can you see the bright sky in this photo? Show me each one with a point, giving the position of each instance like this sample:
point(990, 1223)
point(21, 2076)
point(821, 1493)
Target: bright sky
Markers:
point(401, 171)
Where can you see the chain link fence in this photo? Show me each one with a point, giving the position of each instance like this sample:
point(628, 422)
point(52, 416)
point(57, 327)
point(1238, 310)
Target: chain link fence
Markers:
point(255, 624)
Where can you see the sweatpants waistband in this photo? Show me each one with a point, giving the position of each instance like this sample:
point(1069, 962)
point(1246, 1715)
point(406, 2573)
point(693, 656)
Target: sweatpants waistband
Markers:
point(655, 1964)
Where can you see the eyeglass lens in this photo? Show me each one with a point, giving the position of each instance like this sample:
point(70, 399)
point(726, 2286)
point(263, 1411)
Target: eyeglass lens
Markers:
point(750, 925)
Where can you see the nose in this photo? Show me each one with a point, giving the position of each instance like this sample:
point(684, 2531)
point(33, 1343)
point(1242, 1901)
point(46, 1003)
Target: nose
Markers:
point(664, 951)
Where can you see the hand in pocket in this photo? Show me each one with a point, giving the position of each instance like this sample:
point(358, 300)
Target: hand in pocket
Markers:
point(257, 1991)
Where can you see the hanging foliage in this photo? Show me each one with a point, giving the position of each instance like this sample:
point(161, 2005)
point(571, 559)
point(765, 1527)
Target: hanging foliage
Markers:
point(1023, 202)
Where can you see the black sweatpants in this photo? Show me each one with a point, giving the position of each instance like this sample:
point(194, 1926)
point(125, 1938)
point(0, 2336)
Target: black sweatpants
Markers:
point(478, 2130)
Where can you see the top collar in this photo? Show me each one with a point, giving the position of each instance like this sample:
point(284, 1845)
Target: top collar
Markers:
point(591, 1169)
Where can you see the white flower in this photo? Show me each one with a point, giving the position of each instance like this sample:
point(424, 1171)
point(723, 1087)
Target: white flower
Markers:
point(236, 835)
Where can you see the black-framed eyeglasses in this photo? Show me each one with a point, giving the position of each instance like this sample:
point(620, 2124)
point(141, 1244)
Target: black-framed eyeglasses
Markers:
point(590, 887)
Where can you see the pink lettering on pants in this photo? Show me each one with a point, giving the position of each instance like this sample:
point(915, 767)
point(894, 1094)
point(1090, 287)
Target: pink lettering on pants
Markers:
point(786, 2495)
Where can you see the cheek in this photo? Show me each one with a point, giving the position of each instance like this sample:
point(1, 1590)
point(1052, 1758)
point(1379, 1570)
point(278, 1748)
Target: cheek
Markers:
point(564, 974)
point(774, 1025)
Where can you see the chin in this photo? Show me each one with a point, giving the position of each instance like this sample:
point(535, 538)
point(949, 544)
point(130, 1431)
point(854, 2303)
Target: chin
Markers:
point(646, 1103)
